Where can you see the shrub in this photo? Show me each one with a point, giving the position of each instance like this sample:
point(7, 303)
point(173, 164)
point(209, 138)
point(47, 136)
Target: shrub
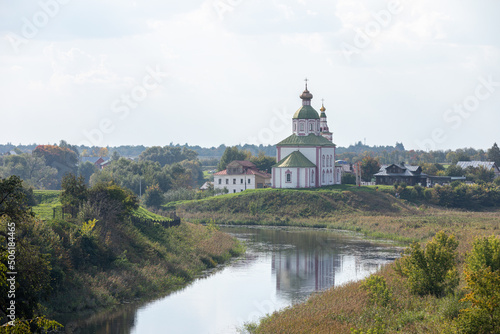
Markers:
point(482, 274)
point(377, 289)
point(153, 196)
point(431, 270)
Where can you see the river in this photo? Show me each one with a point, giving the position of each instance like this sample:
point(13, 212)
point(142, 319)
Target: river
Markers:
point(282, 266)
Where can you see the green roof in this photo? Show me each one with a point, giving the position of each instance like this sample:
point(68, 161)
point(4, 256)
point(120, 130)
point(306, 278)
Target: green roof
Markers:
point(309, 140)
point(306, 112)
point(294, 159)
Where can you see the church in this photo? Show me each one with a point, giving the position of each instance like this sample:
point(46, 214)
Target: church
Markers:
point(306, 159)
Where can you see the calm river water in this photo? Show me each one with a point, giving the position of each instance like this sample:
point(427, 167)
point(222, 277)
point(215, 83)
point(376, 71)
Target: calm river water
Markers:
point(282, 266)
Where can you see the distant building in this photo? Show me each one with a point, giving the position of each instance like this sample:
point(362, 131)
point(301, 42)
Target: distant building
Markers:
point(489, 165)
point(241, 175)
point(99, 162)
point(206, 186)
point(411, 175)
point(306, 158)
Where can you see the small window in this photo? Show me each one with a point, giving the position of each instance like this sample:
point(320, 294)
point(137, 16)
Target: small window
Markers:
point(227, 181)
point(248, 181)
point(289, 177)
point(220, 181)
point(310, 127)
point(234, 190)
point(294, 127)
point(241, 181)
point(234, 181)
point(301, 126)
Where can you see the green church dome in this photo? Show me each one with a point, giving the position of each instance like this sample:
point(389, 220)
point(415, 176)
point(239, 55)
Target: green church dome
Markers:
point(306, 112)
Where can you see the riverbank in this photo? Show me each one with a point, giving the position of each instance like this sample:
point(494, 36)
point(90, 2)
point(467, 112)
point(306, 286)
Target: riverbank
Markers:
point(97, 266)
point(347, 309)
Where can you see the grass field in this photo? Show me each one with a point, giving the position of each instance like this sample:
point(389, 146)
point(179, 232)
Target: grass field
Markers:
point(46, 201)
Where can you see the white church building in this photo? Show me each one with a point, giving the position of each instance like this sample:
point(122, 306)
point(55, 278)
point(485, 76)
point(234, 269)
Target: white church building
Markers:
point(306, 159)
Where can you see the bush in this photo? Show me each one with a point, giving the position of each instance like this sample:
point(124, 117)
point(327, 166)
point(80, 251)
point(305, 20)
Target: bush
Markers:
point(153, 196)
point(431, 270)
point(482, 274)
point(348, 178)
point(377, 289)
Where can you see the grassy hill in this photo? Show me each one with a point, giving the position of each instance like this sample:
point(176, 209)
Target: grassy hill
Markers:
point(95, 266)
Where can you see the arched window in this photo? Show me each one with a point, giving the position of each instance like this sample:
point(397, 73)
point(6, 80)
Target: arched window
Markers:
point(294, 127)
point(310, 127)
point(301, 126)
point(323, 162)
point(323, 177)
point(312, 176)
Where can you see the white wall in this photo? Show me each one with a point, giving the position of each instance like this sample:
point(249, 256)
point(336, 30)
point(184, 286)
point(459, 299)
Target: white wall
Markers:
point(300, 177)
point(231, 187)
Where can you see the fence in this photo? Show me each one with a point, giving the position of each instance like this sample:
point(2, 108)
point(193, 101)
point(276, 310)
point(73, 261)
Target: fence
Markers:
point(64, 212)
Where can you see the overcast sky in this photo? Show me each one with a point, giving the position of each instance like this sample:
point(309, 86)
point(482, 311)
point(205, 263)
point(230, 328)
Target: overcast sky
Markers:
point(151, 72)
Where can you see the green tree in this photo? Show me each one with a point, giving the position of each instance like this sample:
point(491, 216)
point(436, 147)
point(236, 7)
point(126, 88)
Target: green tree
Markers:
point(494, 154)
point(369, 166)
point(86, 169)
point(454, 170)
point(231, 154)
point(167, 155)
point(348, 178)
point(74, 191)
point(482, 274)
point(263, 162)
point(32, 282)
point(153, 196)
point(432, 269)
point(32, 169)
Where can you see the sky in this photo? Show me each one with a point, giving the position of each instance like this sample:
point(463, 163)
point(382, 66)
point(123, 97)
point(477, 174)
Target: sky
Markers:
point(210, 72)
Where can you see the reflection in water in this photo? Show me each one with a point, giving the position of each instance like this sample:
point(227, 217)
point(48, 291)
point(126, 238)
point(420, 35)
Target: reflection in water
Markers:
point(282, 266)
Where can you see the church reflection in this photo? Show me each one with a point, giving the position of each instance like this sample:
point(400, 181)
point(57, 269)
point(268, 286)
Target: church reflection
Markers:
point(302, 271)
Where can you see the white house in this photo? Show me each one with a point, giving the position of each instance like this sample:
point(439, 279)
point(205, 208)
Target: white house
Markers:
point(306, 159)
point(241, 175)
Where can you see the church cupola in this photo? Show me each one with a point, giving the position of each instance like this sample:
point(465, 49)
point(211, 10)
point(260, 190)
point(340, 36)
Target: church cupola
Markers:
point(323, 125)
point(306, 97)
point(306, 120)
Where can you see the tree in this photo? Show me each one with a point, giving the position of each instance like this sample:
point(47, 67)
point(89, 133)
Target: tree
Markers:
point(494, 154)
point(263, 162)
point(73, 148)
point(115, 156)
point(32, 169)
point(348, 178)
point(482, 274)
point(369, 166)
point(167, 155)
point(74, 191)
point(153, 196)
point(432, 269)
point(231, 154)
point(61, 158)
point(32, 267)
point(454, 170)
point(86, 169)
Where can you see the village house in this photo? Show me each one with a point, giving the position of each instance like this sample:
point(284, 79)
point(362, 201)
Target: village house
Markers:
point(241, 175)
point(411, 175)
